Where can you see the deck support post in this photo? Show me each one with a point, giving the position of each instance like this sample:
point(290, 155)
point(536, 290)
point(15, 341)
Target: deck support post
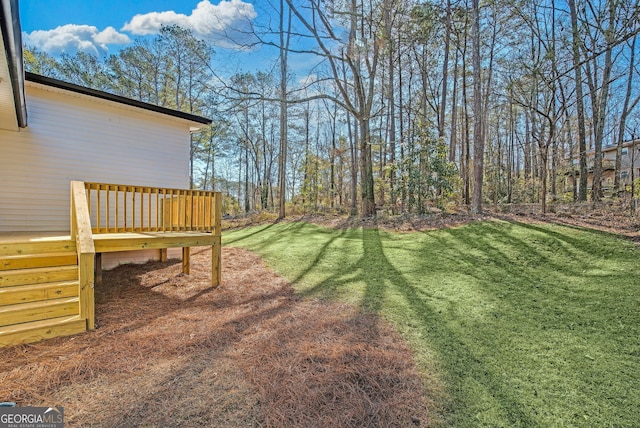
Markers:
point(216, 250)
point(186, 260)
point(163, 255)
point(216, 263)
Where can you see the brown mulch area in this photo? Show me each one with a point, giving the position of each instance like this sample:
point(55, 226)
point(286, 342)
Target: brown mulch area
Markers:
point(171, 351)
point(614, 219)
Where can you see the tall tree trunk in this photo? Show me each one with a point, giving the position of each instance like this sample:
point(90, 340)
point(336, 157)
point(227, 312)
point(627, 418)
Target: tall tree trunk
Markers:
point(577, 69)
point(510, 156)
point(247, 206)
point(367, 198)
point(392, 110)
point(527, 148)
point(465, 153)
point(478, 131)
point(602, 101)
point(454, 113)
point(282, 162)
point(332, 157)
point(353, 150)
point(401, 117)
point(239, 176)
point(445, 72)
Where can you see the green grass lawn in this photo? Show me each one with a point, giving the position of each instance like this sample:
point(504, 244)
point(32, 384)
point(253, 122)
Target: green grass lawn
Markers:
point(512, 325)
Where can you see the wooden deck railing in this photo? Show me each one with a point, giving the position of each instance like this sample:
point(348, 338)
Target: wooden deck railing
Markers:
point(81, 233)
point(117, 208)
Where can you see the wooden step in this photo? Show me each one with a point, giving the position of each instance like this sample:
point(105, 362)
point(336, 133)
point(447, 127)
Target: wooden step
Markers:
point(42, 310)
point(43, 245)
point(39, 330)
point(14, 277)
point(37, 292)
point(28, 261)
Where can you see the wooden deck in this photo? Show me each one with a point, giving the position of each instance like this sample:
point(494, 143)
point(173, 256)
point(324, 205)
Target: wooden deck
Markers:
point(40, 292)
point(47, 278)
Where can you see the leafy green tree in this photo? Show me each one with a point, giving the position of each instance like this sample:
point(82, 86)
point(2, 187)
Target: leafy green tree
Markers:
point(83, 69)
point(39, 62)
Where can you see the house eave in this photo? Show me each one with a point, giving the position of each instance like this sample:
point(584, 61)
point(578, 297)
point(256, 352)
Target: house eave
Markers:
point(59, 84)
point(13, 114)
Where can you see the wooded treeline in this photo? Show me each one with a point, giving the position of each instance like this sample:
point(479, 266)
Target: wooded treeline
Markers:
point(412, 105)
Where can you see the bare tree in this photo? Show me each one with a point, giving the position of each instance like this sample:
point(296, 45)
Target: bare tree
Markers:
point(361, 58)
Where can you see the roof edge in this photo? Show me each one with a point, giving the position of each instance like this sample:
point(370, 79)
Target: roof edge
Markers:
point(60, 84)
point(12, 35)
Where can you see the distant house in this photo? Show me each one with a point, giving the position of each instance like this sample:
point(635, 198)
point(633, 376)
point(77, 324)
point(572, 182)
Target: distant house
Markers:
point(87, 179)
point(629, 165)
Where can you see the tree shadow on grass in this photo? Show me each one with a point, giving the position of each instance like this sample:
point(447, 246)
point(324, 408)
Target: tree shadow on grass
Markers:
point(382, 282)
point(468, 295)
point(544, 301)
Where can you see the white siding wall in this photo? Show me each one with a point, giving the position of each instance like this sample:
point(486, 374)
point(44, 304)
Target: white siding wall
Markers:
point(111, 260)
point(77, 137)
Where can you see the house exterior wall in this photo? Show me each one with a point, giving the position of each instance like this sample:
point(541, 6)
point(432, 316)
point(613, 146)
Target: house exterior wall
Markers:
point(112, 260)
point(627, 158)
point(78, 137)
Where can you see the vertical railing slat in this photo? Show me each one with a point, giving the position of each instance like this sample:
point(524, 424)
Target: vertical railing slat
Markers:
point(107, 222)
point(149, 229)
point(127, 209)
point(171, 208)
point(99, 209)
point(141, 209)
point(157, 209)
point(116, 213)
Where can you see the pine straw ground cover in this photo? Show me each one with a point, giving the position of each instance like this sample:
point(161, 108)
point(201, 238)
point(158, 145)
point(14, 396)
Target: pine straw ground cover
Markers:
point(171, 351)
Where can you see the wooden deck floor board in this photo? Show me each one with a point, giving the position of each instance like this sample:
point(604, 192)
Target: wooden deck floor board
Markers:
point(126, 241)
point(150, 240)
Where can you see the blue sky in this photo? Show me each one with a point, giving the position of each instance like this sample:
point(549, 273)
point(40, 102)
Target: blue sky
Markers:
point(104, 27)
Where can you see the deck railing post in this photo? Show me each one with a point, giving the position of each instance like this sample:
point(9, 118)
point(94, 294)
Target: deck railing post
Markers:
point(81, 233)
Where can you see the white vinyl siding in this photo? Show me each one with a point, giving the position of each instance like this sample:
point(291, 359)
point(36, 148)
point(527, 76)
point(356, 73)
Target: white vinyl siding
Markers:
point(77, 137)
point(112, 260)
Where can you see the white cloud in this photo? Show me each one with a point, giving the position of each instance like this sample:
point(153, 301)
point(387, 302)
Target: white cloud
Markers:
point(110, 36)
point(227, 24)
point(71, 38)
